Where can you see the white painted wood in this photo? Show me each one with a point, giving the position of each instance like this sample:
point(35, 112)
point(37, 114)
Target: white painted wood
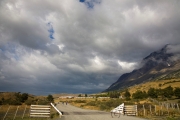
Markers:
point(40, 111)
point(60, 113)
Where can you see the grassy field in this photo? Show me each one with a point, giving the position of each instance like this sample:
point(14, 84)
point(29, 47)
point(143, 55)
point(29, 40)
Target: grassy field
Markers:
point(20, 112)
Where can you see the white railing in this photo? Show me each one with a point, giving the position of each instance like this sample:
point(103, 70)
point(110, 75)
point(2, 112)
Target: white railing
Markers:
point(60, 113)
point(118, 109)
point(40, 111)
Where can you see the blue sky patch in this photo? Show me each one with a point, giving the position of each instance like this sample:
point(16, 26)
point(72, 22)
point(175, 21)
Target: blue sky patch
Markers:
point(51, 31)
point(90, 3)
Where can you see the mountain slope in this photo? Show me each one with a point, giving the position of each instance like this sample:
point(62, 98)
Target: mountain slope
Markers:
point(155, 66)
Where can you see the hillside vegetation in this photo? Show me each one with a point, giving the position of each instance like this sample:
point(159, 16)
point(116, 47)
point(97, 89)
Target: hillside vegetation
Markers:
point(17, 98)
point(157, 84)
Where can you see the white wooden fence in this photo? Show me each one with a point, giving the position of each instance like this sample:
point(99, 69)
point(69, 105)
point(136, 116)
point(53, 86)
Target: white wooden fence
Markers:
point(40, 110)
point(125, 109)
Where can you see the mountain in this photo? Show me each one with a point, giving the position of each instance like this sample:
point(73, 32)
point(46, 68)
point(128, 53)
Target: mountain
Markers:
point(157, 65)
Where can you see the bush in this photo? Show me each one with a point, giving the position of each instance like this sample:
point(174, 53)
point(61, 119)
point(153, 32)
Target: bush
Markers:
point(50, 98)
point(30, 102)
point(177, 92)
point(80, 101)
point(139, 95)
point(152, 93)
point(43, 102)
point(91, 103)
point(14, 102)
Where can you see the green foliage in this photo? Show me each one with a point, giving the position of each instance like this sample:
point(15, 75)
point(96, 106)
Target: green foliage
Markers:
point(50, 98)
point(177, 92)
point(21, 97)
point(11, 102)
point(103, 95)
point(79, 95)
point(139, 94)
point(86, 95)
point(24, 97)
point(107, 105)
point(168, 92)
point(53, 115)
point(30, 101)
point(127, 94)
point(152, 93)
point(43, 102)
point(114, 94)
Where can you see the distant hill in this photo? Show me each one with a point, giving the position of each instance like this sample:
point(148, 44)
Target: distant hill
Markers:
point(159, 65)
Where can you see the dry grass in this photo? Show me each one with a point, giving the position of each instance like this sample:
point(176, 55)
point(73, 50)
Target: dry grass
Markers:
point(12, 111)
point(155, 84)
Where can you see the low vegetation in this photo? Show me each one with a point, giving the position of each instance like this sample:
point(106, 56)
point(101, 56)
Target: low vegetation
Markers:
point(21, 102)
point(17, 98)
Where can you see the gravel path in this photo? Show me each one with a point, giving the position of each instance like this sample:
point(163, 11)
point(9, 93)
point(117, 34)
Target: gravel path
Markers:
point(74, 113)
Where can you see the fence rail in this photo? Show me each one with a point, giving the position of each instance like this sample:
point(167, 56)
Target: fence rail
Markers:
point(40, 111)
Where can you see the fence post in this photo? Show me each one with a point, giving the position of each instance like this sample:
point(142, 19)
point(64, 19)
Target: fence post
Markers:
point(6, 113)
point(16, 112)
point(177, 106)
point(150, 110)
point(161, 109)
point(24, 112)
point(144, 110)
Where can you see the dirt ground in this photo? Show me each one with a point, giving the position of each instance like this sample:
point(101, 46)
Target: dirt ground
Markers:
point(74, 113)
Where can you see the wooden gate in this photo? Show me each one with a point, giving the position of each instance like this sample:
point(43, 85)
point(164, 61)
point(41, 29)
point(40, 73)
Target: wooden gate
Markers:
point(40, 110)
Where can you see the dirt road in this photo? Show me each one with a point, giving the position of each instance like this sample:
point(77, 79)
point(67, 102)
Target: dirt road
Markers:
point(74, 113)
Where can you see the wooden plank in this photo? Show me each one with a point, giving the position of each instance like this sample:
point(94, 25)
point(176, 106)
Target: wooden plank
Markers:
point(130, 109)
point(39, 116)
point(39, 113)
point(41, 108)
point(40, 105)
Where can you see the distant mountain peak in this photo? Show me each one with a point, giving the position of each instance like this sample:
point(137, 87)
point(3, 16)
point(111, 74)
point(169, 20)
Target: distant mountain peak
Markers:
point(156, 61)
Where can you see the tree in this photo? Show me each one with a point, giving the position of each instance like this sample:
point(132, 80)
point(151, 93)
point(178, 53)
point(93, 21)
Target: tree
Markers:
point(86, 95)
point(50, 98)
point(79, 95)
point(24, 97)
point(139, 95)
point(152, 93)
point(177, 92)
point(168, 92)
point(127, 94)
point(114, 94)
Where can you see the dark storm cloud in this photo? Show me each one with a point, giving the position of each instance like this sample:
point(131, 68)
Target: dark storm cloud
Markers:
point(80, 46)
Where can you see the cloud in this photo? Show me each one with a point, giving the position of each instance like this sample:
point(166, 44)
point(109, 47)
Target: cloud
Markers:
point(80, 46)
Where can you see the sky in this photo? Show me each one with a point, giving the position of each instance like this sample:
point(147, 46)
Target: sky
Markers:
point(79, 46)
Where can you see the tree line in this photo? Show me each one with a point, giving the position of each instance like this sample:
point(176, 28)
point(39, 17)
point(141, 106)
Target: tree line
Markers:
point(24, 98)
point(167, 92)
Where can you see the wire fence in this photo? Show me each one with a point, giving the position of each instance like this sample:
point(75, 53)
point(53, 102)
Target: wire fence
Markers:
point(12, 112)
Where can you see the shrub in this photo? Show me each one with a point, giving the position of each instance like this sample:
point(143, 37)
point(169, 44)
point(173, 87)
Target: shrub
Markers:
point(152, 93)
point(50, 98)
point(80, 101)
point(177, 92)
point(30, 102)
point(139, 95)
point(91, 103)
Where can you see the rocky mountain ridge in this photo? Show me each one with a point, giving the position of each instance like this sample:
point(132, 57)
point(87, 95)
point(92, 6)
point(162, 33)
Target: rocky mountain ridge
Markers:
point(157, 65)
